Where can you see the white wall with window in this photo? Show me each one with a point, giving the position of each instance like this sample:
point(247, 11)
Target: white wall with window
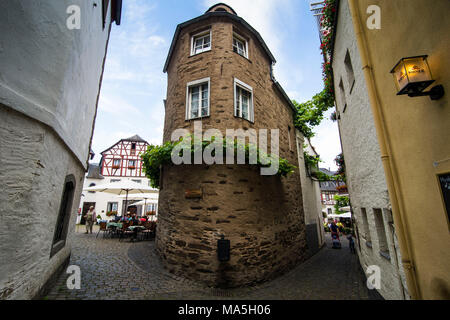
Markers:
point(197, 99)
point(201, 42)
point(105, 202)
point(243, 100)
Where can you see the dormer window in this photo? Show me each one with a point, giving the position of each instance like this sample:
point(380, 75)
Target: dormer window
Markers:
point(240, 45)
point(201, 42)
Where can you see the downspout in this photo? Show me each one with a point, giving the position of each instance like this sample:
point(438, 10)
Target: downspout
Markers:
point(391, 176)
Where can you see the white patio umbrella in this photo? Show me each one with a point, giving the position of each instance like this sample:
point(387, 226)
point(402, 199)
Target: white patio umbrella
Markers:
point(148, 198)
point(122, 188)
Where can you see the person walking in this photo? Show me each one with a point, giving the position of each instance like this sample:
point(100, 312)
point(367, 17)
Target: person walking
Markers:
point(351, 243)
point(90, 216)
point(334, 229)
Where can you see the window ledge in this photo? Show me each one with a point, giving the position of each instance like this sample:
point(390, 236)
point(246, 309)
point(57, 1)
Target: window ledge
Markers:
point(351, 87)
point(196, 54)
point(198, 118)
point(56, 247)
point(386, 255)
point(252, 122)
point(246, 58)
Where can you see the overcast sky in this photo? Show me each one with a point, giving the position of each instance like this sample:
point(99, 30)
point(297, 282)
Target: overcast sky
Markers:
point(134, 86)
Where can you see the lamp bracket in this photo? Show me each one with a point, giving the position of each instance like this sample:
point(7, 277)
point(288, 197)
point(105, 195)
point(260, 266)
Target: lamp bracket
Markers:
point(435, 93)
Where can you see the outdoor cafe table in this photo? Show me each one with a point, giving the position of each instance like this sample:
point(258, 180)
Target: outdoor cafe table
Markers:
point(135, 229)
point(114, 224)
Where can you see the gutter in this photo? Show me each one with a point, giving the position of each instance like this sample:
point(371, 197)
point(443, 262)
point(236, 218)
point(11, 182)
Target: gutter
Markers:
point(391, 173)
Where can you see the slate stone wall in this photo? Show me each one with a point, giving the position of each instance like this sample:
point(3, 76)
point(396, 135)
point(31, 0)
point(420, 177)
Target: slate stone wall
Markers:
point(262, 216)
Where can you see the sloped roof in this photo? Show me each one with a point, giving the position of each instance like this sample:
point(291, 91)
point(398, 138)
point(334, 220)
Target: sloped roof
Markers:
point(208, 15)
point(134, 138)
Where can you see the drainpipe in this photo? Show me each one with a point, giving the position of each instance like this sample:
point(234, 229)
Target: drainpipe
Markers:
point(383, 141)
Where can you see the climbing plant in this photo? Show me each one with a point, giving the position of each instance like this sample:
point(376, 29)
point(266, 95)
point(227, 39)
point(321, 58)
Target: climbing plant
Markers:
point(341, 201)
point(156, 156)
point(309, 114)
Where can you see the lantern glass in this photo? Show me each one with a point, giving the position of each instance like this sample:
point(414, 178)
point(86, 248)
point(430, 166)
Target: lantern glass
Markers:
point(412, 75)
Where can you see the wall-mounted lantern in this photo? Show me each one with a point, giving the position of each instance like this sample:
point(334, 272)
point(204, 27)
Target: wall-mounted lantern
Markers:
point(412, 76)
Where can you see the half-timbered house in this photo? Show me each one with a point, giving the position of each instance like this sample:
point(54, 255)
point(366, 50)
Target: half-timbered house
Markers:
point(119, 163)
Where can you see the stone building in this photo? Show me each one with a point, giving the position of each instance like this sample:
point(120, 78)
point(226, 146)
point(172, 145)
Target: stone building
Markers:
point(119, 163)
point(222, 57)
point(396, 145)
point(50, 79)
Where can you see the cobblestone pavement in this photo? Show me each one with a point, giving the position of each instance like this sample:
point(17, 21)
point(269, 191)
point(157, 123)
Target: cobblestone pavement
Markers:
point(122, 270)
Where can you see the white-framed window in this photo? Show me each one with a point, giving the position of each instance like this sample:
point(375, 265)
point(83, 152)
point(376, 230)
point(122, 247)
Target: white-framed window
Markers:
point(201, 42)
point(116, 163)
point(112, 206)
point(132, 163)
point(197, 99)
point(240, 45)
point(243, 100)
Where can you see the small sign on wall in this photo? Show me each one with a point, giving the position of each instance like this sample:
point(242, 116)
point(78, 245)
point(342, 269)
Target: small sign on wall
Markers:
point(444, 180)
point(193, 194)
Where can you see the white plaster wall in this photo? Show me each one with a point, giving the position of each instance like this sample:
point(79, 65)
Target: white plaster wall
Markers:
point(51, 73)
point(33, 166)
point(365, 174)
point(312, 206)
point(49, 82)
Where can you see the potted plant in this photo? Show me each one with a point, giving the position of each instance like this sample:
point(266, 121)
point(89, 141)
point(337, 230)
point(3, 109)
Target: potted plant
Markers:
point(111, 213)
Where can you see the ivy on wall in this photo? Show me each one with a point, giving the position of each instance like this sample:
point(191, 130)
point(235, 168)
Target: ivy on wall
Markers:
point(309, 114)
point(156, 156)
point(341, 201)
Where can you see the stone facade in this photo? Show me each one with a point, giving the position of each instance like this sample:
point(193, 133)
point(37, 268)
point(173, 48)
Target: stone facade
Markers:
point(262, 216)
point(377, 244)
point(49, 85)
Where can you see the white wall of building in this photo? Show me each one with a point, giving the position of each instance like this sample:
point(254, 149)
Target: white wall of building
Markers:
point(364, 170)
point(312, 206)
point(47, 69)
point(101, 199)
point(49, 82)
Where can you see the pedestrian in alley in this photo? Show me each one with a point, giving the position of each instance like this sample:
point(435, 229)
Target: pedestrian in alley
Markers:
point(334, 230)
point(90, 216)
point(351, 243)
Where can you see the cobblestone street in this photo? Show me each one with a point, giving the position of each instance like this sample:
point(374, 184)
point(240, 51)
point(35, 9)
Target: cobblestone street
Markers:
point(122, 270)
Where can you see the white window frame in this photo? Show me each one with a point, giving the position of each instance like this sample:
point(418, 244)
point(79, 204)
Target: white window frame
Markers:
point(201, 35)
point(242, 85)
point(245, 42)
point(188, 97)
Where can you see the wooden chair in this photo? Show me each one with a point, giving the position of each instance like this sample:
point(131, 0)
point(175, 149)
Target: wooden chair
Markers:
point(103, 229)
point(148, 232)
point(124, 232)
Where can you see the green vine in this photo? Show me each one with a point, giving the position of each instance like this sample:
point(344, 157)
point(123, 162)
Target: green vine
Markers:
point(341, 201)
point(312, 165)
point(309, 114)
point(157, 156)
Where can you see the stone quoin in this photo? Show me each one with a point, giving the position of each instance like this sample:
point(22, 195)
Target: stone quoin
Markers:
point(220, 73)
